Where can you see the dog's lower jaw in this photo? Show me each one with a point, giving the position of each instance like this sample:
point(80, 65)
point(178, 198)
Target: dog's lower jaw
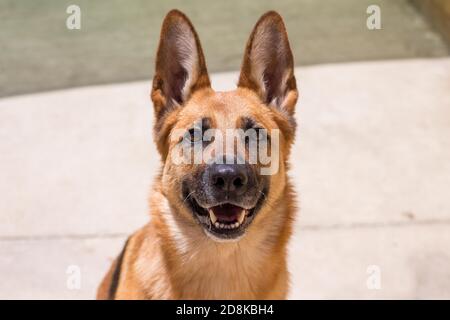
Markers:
point(217, 239)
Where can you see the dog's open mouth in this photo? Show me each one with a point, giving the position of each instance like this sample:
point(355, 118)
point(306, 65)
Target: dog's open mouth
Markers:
point(227, 216)
point(224, 221)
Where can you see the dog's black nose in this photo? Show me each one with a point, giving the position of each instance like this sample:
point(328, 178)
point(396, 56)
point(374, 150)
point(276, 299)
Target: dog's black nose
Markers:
point(229, 178)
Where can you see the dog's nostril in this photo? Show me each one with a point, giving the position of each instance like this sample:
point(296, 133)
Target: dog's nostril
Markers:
point(219, 182)
point(238, 182)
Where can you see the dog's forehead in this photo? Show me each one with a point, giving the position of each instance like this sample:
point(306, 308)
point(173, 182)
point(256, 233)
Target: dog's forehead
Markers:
point(225, 102)
point(224, 108)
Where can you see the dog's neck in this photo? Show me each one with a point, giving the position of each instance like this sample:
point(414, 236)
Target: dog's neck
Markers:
point(203, 268)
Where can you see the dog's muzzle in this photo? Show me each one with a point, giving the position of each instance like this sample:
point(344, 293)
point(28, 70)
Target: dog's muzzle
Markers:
point(225, 198)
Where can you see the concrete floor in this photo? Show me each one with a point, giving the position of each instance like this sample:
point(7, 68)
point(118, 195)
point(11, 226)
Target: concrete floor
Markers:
point(371, 165)
point(118, 40)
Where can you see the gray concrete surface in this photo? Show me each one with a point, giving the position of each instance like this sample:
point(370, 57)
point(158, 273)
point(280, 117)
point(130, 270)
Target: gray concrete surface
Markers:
point(371, 165)
point(118, 39)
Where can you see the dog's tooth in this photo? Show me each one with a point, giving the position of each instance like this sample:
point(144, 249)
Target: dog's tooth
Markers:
point(242, 216)
point(237, 224)
point(212, 216)
point(222, 225)
point(217, 225)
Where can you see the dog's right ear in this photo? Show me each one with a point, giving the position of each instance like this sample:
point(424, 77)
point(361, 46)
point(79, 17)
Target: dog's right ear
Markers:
point(180, 64)
point(180, 71)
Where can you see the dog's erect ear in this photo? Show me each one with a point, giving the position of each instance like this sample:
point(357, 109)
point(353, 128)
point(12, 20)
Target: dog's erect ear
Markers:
point(180, 64)
point(268, 65)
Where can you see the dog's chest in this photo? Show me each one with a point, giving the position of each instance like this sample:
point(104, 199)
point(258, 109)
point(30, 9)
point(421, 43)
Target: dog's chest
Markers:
point(222, 275)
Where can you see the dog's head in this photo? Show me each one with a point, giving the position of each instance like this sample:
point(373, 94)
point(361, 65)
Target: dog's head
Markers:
point(223, 189)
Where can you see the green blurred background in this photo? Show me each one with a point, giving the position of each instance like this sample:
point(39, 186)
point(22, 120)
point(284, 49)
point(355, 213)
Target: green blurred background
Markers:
point(118, 38)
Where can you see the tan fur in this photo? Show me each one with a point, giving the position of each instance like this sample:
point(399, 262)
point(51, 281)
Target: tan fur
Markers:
point(172, 257)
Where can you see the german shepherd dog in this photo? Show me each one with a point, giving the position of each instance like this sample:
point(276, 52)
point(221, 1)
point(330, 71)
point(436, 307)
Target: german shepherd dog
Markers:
point(217, 230)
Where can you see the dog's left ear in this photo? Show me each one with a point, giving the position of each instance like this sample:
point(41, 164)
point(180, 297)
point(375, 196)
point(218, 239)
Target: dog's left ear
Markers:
point(268, 65)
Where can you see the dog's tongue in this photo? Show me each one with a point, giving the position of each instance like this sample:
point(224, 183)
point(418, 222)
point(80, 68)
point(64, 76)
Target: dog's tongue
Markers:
point(227, 212)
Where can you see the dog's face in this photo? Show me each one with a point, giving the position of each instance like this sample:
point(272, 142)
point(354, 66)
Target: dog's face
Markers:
point(224, 153)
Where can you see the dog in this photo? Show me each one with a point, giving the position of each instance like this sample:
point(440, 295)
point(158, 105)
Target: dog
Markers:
point(217, 230)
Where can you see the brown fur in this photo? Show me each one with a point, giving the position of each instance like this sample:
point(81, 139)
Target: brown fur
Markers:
point(171, 257)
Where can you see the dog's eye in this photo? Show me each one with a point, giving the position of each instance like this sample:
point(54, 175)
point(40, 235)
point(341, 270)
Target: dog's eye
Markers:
point(258, 134)
point(194, 135)
point(263, 135)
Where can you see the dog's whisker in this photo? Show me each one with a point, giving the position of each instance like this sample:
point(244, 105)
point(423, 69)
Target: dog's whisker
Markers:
point(188, 196)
